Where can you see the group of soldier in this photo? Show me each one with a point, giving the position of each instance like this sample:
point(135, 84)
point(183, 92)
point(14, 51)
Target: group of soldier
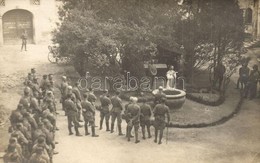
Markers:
point(33, 123)
point(133, 113)
point(248, 80)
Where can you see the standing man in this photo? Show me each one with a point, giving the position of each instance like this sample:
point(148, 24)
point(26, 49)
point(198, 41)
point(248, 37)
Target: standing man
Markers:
point(104, 112)
point(24, 40)
point(116, 110)
point(63, 90)
point(159, 95)
point(219, 75)
point(44, 84)
point(71, 110)
point(243, 76)
point(160, 111)
point(146, 113)
point(76, 92)
point(253, 79)
point(133, 111)
point(88, 111)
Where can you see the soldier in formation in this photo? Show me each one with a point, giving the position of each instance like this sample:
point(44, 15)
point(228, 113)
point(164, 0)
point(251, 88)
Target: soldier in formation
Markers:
point(33, 124)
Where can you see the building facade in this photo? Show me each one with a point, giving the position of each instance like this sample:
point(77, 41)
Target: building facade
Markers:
point(251, 12)
point(35, 17)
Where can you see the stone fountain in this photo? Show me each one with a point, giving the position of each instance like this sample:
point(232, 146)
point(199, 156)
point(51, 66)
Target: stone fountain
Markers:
point(175, 98)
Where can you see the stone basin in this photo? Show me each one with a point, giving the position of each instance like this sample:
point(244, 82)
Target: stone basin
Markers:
point(175, 97)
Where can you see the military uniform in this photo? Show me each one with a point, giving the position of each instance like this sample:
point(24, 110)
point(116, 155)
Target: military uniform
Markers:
point(77, 95)
point(63, 90)
point(88, 111)
point(160, 111)
point(104, 112)
point(158, 96)
point(133, 112)
point(71, 110)
point(145, 119)
point(116, 110)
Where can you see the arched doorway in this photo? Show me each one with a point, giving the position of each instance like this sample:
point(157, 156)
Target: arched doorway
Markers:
point(15, 22)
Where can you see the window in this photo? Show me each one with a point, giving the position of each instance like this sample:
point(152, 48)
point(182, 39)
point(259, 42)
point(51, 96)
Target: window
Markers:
point(2, 2)
point(35, 2)
point(248, 16)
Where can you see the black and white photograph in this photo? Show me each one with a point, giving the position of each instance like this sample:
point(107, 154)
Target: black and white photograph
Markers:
point(129, 81)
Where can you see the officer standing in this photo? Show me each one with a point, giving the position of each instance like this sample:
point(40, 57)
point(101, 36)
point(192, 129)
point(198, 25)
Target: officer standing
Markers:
point(253, 79)
point(72, 110)
point(88, 111)
point(160, 111)
point(76, 92)
point(146, 113)
point(116, 110)
point(133, 111)
point(104, 112)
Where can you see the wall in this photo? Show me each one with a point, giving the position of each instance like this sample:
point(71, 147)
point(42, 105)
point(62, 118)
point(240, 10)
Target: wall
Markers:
point(44, 17)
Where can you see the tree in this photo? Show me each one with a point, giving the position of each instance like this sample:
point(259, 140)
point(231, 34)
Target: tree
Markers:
point(211, 31)
point(95, 33)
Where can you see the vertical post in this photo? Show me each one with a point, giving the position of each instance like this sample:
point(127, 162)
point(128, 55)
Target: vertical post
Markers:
point(1, 31)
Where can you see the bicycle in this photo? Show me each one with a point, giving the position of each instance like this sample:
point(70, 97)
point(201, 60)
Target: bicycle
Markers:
point(55, 57)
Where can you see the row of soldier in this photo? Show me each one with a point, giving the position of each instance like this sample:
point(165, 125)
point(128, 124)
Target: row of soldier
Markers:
point(134, 115)
point(33, 123)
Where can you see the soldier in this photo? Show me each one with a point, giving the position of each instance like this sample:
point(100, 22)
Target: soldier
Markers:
point(71, 110)
point(34, 105)
point(40, 142)
point(159, 95)
point(145, 116)
point(133, 111)
point(44, 84)
point(160, 111)
point(16, 116)
point(18, 148)
point(76, 92)
point(63, 90)
point(91, 96)
point(116, 110)
point(104, 112)
point(243, 76)
point(88, 110)
point(12, 155)
point(33, 72)
point(29, 78)
point(26, 99)
point(126, 117)
point(253, 79)
point(38, 156)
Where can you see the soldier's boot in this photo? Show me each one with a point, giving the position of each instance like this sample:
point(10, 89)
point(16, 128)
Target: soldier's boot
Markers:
point(136, 137)
point(86, 130)
point(120, 130)
point(149, 132)
point(70, 131)
point(143, 132)
point(93, 132)
point(155, 135)
point(128, 133)
point(112, 128)
point(107, 126)
point(160, 137)
point(77, 131)
point(100, 124)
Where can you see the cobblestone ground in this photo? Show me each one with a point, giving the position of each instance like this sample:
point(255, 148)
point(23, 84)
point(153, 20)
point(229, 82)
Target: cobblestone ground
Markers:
point(236, 141)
